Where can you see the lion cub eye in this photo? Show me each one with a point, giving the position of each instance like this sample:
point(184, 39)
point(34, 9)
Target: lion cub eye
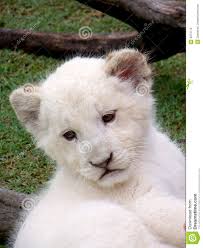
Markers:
point(70, 135)
point(109, 117)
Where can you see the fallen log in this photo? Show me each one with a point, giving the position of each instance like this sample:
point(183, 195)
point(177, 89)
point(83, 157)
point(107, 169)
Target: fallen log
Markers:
point(63, 45)
point(138, 12)
point(159, 25)
point(165, 37)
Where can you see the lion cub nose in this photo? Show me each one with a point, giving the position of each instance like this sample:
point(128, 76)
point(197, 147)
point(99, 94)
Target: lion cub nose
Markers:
point(103, 164)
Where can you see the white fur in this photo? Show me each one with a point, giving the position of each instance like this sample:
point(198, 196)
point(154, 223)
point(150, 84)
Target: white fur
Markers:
point(140, 206)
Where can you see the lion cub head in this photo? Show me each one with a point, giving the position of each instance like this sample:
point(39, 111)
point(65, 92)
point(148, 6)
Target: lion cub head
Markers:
point(92, 115)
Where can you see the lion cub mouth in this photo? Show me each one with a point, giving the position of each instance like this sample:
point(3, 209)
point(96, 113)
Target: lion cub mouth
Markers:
point(109, 172)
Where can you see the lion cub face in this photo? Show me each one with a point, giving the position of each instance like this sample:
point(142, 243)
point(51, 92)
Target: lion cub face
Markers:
point(91, 115)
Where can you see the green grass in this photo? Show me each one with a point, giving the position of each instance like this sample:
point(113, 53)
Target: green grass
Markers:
point(56, 16)
point(24, 168)
point(169, 90)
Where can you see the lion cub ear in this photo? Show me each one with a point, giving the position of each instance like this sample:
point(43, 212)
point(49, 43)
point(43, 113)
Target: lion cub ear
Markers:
point(26, 104)
point(128, 64)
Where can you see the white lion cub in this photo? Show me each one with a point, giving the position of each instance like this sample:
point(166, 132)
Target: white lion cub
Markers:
point(119, 182)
